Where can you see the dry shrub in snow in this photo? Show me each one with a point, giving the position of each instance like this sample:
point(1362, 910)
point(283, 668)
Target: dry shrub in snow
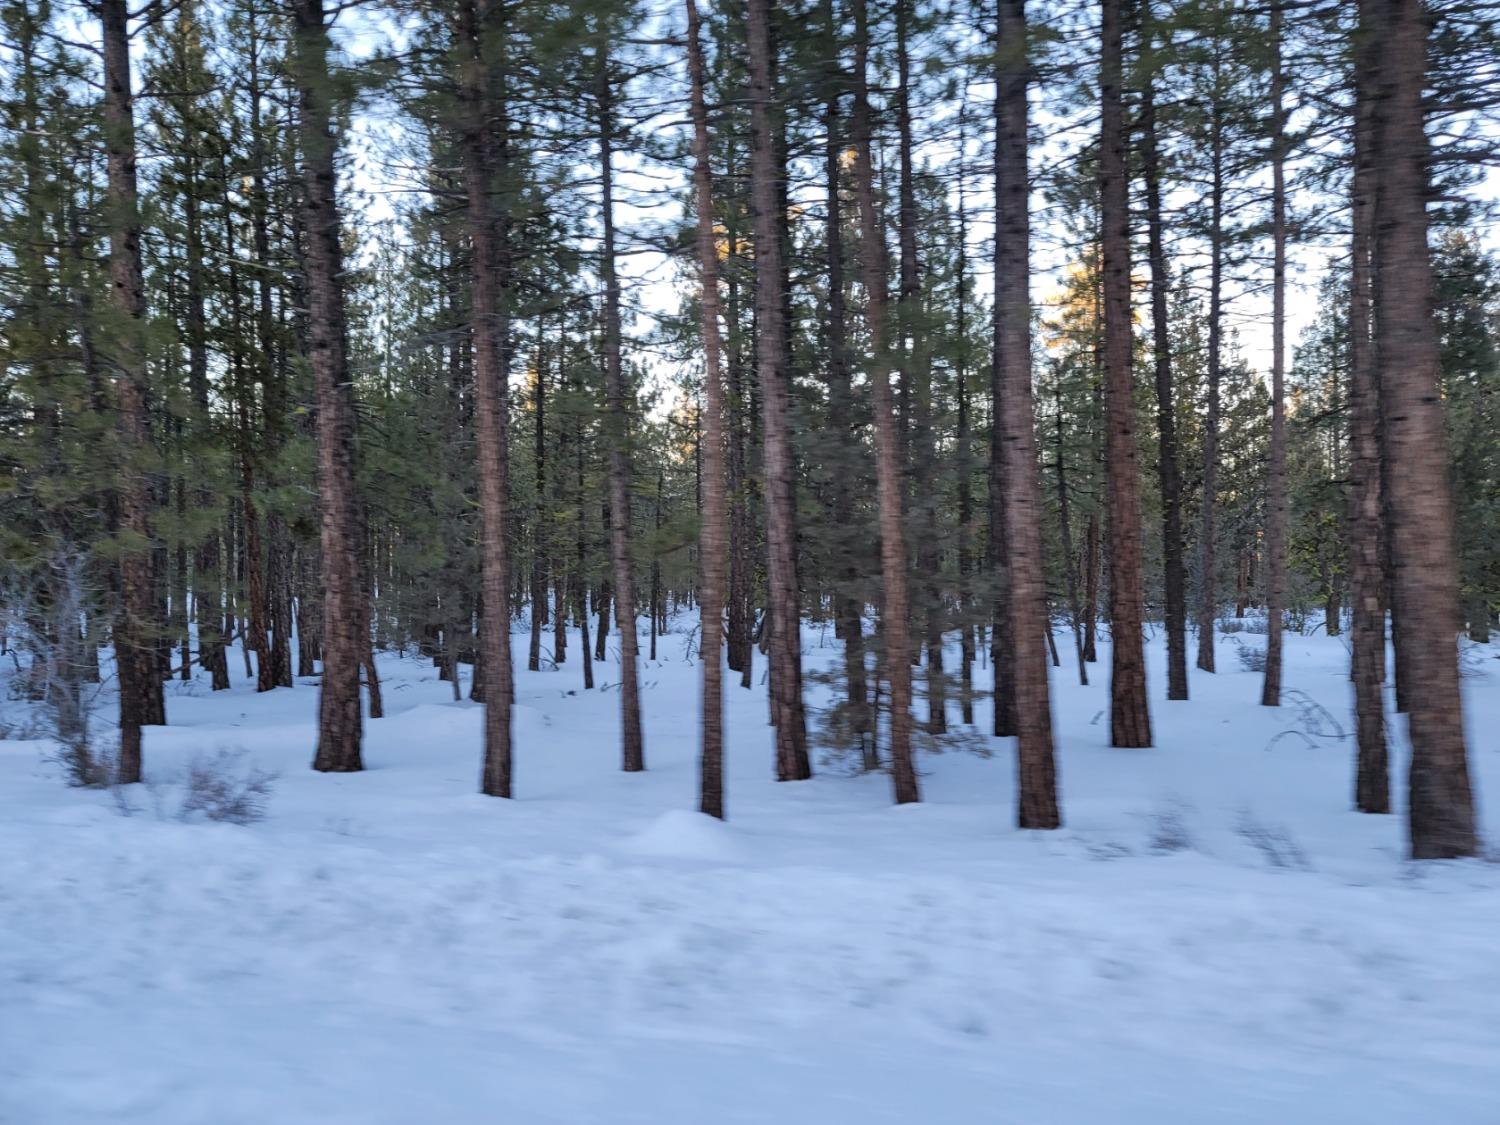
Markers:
point(217, 788)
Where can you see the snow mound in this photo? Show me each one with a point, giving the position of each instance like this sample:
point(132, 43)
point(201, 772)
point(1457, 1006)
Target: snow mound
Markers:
point(679, 834)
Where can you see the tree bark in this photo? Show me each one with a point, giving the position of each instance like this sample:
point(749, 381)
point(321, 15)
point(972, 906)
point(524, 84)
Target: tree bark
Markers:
point(632, 749)
point(1130, 718)
point(784, 602)
point(1169, 471)
point(1425, 574)
point(895, 606)
point(486, 165)
point(714, 530)
point(1276, 484)
point(1016, 427)
point(339, 719)
point(135, 658)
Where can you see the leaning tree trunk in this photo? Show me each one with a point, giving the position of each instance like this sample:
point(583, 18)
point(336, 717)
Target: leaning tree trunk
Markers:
point(485, 160)
point(714, 531)
point(1276, 486)
point(339, 720)
point(1016, 429)
point(895, 605)
point(135, 656)
point(632, 750)
point(792, 761)
point(1425, 574)
point(1130, 719)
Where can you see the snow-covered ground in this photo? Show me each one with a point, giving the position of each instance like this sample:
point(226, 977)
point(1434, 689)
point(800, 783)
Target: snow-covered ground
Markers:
point(1214, 936)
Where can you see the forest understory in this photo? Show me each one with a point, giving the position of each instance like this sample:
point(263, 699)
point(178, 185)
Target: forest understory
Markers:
point(1213, 935)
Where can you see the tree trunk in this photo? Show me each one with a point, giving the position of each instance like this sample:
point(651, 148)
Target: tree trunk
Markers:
point(339, 719)
point(848, 604)
point(617, 423)
point(1130, 719)
point(486, 171)
point(1208, 602)
point(1016, 428)
point(784, 603)
point(140, 687)
point(895, 606)
point(1441, 805)
point(1276, 485)
point(1168, 470)
point(713, 531)
point(538, 592)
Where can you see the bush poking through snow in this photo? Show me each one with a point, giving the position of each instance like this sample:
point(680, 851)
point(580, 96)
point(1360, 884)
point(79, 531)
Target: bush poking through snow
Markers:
point(216, 788)
point(1274, 842)
point(1252, 657)
point(84, 765)
point(1169, 827)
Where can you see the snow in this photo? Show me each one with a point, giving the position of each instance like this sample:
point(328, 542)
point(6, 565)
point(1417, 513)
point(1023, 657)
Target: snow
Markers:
point(1213, 937)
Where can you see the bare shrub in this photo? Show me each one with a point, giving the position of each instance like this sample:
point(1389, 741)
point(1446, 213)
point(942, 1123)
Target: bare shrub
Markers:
point(1273, 841)
point(1169, 827)
point(1252, 657)
point(1231, 625)
point(217, 788)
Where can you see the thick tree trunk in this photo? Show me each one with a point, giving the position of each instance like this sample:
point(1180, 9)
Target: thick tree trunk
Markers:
point(1440, 804)
point(340, 724)
point(714, 529)
point(486, 165)
point(784, 602)
point(1130, 718)
point(1016, 428)
point(1276, 485)
point(895, 605)
point(140, 686)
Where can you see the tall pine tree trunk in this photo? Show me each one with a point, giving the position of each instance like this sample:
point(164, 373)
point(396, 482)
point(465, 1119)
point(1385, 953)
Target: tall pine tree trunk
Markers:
point(1130, 719)
point(632, 748)
point(1372, 782)
point(486, 164)
point(714, 530)
point(140, 686)
point(895, 605)
point(1169, 471)
point(1016, 428)
point(1276, 485)
point(339, 720)
point(1425, 574)
point(788, 716)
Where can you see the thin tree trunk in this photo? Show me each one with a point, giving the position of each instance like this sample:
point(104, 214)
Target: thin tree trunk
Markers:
point(1208, 606)
point(713, 531)
point(848, 607)
point(140, 687)
point(486, 168)
point(1070, 565)
point(1276, 485)
point(538, 512)
point(895, 607)
point(784, 603)
point(1168, 470)
point(339, 719)
point(1130, 718)
point(632, 749)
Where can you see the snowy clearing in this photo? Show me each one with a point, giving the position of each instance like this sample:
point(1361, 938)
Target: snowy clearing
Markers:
point(1213, 937)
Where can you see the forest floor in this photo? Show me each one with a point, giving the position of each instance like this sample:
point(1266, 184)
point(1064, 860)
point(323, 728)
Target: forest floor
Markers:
point(1213, 937)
